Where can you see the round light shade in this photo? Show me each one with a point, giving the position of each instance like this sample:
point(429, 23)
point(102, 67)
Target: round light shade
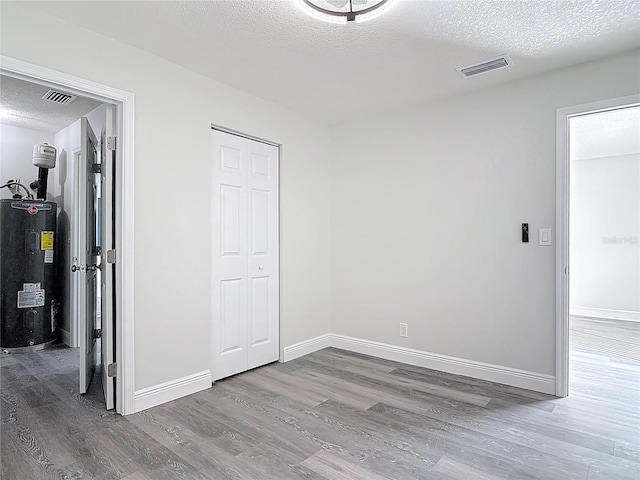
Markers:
point(341, 11)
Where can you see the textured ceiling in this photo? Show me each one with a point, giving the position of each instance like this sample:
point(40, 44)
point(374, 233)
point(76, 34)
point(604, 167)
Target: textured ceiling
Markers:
point(272, 49)
point(21, 105)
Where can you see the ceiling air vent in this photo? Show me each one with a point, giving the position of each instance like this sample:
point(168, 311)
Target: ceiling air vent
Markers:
point(60, 98)
point(484, 66)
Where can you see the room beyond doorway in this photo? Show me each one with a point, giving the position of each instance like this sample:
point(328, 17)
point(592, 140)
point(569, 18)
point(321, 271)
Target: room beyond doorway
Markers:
point(604, 252)
point(565, 272)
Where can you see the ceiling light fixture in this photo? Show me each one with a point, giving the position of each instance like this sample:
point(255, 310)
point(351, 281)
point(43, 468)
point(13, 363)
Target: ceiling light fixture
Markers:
point(343, 11)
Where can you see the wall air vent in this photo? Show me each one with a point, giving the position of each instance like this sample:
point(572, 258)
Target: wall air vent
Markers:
point(60, 98)
point(485, 66)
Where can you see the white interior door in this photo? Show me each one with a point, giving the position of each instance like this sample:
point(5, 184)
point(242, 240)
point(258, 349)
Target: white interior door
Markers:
point(107, 269)
point(245, 286)
point(229, 242)
point(263, 284)
point(85, 257)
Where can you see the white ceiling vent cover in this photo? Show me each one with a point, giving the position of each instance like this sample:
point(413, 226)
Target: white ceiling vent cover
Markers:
point(60, 98)
point(485, 66)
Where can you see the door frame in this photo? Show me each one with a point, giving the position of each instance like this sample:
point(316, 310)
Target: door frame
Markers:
point(562, 226)
point(124, 221)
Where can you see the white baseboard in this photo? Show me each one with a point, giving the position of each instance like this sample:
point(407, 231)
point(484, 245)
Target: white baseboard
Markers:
point(306, 347)
point(485, 371)
point(604, 313)
point(168, 391)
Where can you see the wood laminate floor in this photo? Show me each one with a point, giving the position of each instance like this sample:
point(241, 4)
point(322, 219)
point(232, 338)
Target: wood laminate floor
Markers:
point(609, 338)
point(329, 415)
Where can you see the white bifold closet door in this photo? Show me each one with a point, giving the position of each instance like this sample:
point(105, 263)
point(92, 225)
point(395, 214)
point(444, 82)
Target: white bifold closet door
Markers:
point(245, 311)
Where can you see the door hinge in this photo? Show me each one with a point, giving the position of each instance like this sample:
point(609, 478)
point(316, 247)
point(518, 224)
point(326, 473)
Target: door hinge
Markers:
point(111, 370)
point(111, 143)
point(97, 333)
point(97, 168)
point(111, 256)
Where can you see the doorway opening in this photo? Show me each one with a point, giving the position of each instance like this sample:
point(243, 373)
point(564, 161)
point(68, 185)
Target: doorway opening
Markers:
point(87, 187)
point(598, 255)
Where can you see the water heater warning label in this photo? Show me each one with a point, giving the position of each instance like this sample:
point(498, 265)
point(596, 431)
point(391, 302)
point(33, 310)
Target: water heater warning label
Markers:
point(46, 240)
point(31, 287)
point(30, 299)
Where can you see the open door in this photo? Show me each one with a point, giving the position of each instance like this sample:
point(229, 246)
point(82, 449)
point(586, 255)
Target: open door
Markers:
point(107, 260)
point(85, 266)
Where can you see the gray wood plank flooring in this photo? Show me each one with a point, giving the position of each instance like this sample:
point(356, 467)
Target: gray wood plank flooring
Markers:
point(618, 338)
point(329, 415)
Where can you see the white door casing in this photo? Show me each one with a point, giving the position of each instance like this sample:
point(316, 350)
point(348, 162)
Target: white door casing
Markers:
point(86, 284)
point(245, 276)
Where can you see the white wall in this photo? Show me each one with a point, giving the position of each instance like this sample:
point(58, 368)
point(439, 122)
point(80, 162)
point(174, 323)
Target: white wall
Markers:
point(426, 210)
point(16, 155)
point(604, 256)
point(62, 186)
point(173, 185)
point(96, 119)
point(605, 226)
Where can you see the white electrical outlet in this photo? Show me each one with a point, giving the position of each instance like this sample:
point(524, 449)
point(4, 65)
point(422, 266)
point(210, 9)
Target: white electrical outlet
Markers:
point(404, 330)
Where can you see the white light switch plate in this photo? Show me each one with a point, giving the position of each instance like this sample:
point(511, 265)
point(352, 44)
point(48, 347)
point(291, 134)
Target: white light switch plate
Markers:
point(544, 236)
